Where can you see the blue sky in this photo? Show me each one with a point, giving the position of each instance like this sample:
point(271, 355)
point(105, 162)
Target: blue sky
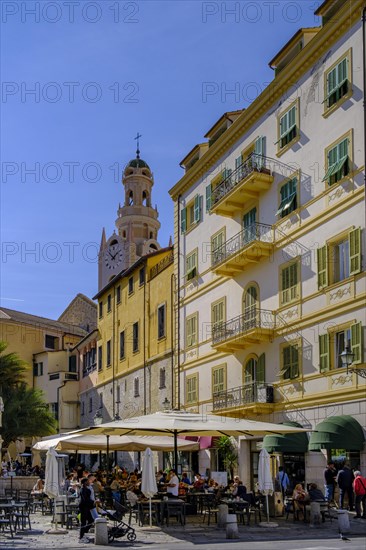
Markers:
point(100, 72)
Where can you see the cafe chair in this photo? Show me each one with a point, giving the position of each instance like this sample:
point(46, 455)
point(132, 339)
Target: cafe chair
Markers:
point(22, 518)
point(176, 511)
point(71, 516)
point(209, 509)
point(144, 514)
point(6, 522)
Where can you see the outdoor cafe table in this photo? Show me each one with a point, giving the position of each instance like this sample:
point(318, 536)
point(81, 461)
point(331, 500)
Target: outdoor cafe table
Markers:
point(159, 507)
point(237, 505)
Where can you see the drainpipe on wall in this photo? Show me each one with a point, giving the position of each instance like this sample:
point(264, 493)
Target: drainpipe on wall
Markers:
point(172, 280)
point(178, 309)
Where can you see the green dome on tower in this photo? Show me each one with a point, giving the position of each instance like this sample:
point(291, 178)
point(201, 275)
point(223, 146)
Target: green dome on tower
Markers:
point(137, 163)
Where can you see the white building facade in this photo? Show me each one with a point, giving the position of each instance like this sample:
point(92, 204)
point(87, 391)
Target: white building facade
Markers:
point(270, 233)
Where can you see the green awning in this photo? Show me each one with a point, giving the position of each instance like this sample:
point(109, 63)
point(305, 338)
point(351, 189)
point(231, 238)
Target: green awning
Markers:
point(287, 443)
point(286, 203)
point(337, 432)
point(334, 168)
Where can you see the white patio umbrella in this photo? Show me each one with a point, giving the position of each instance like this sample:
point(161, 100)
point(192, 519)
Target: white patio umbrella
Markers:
point(177, 423)
point(86, 442)
point(148, 481)
point(265, 483)
point(52, 483)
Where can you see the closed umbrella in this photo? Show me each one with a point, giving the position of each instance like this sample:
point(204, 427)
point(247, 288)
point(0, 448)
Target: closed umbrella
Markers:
point(265, 483)
point(52, 484)
point(148, 481)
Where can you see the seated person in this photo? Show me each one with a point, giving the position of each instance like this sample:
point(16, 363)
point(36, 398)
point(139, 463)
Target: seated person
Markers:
point(315, 493)
point(300, 497)
point(185, 479)
point(131, 497)
point(240, 490)
point(38, 487)
point(115, 487)
point(199, 483)
point(212, 486)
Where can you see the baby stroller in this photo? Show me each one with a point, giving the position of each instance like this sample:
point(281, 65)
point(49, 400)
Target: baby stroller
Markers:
point(119, 528)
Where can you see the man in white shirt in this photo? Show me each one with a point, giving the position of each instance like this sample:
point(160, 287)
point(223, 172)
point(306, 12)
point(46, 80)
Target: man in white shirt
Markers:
point(173, 484)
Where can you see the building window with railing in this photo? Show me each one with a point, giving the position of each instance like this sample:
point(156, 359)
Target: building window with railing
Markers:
point(288, 198)
point(290, 282)
point(217, 242)
point(290, 364)
point(218, 315)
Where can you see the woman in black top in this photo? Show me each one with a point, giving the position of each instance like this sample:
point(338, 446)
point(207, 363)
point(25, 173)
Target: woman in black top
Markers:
point(85, 505)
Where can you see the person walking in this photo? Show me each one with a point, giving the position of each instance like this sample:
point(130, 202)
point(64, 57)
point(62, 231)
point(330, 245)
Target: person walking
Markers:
point(329, 481)
point(359, 487)
point(282, 480)
point(345, 480)
point(86, 504)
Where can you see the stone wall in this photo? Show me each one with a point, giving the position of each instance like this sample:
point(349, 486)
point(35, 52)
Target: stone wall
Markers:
point(81, 312)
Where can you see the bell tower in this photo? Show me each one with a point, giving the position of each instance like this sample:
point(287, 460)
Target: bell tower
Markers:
point(137, 223)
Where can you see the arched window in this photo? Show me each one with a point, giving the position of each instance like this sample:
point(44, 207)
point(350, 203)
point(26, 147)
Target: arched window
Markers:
point(250, 307)
point(145, 198)
point(113, 242)
point(151, 235)
point(130, 198)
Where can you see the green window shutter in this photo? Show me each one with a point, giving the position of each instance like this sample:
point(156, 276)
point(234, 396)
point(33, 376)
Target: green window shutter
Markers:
point(183, 220)
point(284, 125)
point(259, 149)
point(322, 256)
point(238, 162)
point(286, 362)
point(343, 149)
point(324, 352)
point(355, 251)
point(208, 197)
point(342, 71)
point(291, 117)
point(261, 364)
point(295, 362)
point(197, 208)
point(332, 80)
point(356, 342)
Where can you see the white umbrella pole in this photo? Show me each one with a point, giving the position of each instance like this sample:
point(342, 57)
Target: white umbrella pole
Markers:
point(150, 511)
point(267, 506)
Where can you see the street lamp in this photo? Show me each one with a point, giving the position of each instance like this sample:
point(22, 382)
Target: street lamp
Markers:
point(166, 405)
point(98, 418)
point(347, 358)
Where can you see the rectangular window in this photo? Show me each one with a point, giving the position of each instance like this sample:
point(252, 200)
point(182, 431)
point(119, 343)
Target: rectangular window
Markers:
point(90, 404)
point(118, 395)
point(135, 337)
point(337, 81)
point(288, 129)
point(218, 314)
point(72, 363)
point(109, 303)
point(342, 341)
point(288, 198)
point(100, 309)
point(38, 369)
point(217, 247)
point(82, 408)
point(101, 401)
point(290, 283)
point(142, 276)
point(191, 215)
point(161, 321)
point(218, 379)
point(51, 342)
point(162, 378)
point(192, 389)
point(191, 265)
point(136, 387)
point(339, 259)
point(290, 362)
point(122, 345)
point(100, 357)
point(338, 162)
point(130, 285)
point(109, 355)
point(54, 410)
point(118, 294)
point(192, 330)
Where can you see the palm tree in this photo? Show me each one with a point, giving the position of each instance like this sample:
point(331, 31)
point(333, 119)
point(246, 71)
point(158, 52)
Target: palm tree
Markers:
point(12, 369)
point(229, 454)
point(25, 412)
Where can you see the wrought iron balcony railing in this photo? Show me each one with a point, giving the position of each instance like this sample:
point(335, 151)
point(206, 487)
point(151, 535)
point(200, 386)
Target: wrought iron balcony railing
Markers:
point(248, 394)
point(253, 318)
point(256, 232)
point(255, 163)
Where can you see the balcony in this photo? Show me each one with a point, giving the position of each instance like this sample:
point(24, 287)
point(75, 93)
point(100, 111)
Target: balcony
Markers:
point(252, 327)
point(251, 245)
point(254, 397)
point(246, 182)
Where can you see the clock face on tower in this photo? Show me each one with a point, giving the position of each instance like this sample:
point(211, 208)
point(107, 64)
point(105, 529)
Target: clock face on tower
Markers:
point(113, 256)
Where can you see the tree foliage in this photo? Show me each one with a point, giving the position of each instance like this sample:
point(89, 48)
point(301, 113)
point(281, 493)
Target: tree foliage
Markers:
point(228, 453)
point(25, 412)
